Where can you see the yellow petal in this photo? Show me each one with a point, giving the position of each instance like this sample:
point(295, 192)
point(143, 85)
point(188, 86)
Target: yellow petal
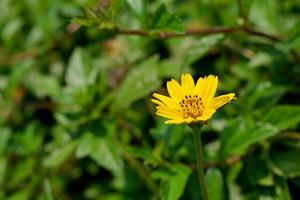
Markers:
point(175, 90)
point(207, 114)
point(219, 101)
point(210, 86)
point(167, 114)
point(157, 102)
point(168, 109)
point(199, 89)
point(167, 100)
point(174, 121)
point(189, 120)
point(187, 83)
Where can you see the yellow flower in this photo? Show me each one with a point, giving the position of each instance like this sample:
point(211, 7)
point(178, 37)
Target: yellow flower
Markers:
point(189, 103)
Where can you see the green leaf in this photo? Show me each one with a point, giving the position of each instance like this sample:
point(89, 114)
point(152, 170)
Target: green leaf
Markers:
point(3, 170)
point(42, 85)
point(104, 20)
point(16, 77)
point(139, 82)
point(199, 47)
point(5, 134)
point(284, 160)
point(173, 183)
point(260, 96)
point(163, 20)
point(20, 195)
point(283, 116)
point(265, 14)
point(282, 189)
point(144, 153)
point(139, 10)
point(256, 172)
point(293, 40)
point(21, 171)
point(80, 71)
point(102, 151)
point(234, 190)
point(243, 132)
point(214, 181)
point(59, 156)
point(48, 190)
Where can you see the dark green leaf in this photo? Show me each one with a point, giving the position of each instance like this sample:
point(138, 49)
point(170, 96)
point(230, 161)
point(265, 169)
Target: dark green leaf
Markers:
point(283, 117)
point(139, 82)
point(173, 184)
point(243, 132)
point(284, 160)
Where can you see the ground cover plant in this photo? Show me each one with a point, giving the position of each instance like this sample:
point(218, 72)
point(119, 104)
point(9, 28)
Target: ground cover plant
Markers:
point(76, 83)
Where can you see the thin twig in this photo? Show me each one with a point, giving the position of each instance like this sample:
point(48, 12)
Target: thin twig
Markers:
point(242, 14)
point(252, 31)
point(197, 32)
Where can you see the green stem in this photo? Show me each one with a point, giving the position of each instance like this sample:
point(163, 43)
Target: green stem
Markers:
point(198, 150)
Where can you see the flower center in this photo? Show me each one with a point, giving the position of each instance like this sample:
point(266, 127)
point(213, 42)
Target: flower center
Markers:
point(192, 106)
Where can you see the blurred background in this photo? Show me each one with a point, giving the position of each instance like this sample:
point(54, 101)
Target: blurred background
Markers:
point(76, 78)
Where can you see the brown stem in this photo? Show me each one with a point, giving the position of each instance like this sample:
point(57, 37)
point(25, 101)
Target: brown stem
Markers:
point(198, 32)
point(252, 31)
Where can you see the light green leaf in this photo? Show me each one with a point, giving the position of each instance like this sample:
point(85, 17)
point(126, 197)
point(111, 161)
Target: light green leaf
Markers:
point(139, 82)
point(5, 134)
point(214, 181)
point(173, 184)
point(163, 20)
point(48, 190)
point(59, 156)
point(139, 10)
point(102, 151)
point(234, 190)
point(260, 96)
point(42, 85)
point(17, 76)
point(3, 170)
point(199, 47)
point(282, 190)
point(104, 20)
point(243, 132)
point(283, 116)
point(80, 70)
point(265, 14)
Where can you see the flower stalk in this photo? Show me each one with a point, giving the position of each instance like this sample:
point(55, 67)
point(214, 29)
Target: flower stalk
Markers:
point(198, 150)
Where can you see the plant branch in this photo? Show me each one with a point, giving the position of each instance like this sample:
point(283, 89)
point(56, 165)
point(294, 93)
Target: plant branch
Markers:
point(242, 13)
point(197, 32)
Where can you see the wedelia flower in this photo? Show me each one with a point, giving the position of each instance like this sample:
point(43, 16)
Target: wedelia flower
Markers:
point(190, 103)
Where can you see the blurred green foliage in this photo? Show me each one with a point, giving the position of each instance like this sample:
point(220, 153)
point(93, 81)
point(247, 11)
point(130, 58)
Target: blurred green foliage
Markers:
point(76, 77)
